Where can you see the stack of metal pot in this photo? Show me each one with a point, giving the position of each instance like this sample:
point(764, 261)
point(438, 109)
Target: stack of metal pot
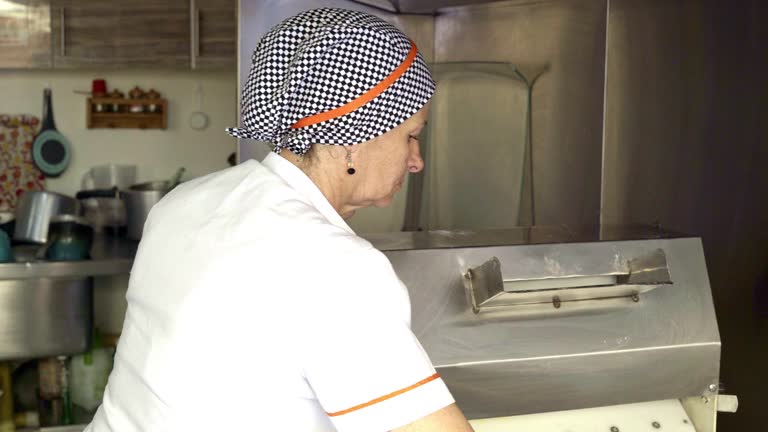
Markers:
point(131, 204)
point(135, 203)
point(53, 220)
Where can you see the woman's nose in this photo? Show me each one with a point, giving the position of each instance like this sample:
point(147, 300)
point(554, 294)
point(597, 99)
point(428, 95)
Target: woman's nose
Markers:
point(415, 162)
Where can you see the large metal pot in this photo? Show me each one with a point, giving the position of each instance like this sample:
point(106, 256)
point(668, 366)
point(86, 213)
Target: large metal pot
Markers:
point(44, 316)
point(34, 213)
point(139, 200)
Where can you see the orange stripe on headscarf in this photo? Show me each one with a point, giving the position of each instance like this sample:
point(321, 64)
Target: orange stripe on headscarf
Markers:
point(364, 98)
point(385, 397)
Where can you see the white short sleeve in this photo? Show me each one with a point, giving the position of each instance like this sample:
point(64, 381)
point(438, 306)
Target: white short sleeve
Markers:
point(365, 366)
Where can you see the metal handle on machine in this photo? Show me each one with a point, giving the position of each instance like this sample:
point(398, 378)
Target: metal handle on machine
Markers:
point(727, 403)
point(488, 289)
point(484, 283)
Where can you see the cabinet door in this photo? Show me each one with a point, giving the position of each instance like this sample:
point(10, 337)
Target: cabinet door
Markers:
point(120, 33)
point(214, 34)
point(25, 34)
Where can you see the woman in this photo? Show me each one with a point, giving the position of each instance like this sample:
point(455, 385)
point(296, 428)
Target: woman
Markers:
point(251, 303)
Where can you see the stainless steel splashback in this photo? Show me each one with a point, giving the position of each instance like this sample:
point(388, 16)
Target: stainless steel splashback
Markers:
point(642, 328)
point(559, 44)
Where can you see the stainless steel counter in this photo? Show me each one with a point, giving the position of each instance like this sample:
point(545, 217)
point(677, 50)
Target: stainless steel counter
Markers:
point(109, 256)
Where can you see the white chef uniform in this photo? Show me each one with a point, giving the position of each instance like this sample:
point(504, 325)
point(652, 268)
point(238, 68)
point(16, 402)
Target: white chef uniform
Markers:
point(253, 305)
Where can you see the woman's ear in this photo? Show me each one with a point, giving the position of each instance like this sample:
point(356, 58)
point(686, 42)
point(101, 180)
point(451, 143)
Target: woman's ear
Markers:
point(335, 152)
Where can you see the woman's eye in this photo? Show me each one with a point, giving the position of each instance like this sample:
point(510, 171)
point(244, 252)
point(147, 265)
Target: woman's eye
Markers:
point(413, 137)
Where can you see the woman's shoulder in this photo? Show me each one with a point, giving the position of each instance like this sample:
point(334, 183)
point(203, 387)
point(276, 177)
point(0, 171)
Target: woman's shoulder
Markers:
point(244, 198)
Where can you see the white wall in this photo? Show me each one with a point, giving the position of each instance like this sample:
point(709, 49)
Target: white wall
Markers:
point(157, 153)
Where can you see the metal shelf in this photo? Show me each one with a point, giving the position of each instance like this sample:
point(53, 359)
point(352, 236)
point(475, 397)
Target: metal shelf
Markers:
point(109, 256)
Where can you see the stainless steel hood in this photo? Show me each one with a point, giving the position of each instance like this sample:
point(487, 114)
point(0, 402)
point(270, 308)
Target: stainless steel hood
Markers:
point(419, 6)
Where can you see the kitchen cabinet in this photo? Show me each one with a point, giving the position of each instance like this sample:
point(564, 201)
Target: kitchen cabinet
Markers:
point(25, 34)
point(174, 34)
point(120, 33)
point(213, 24)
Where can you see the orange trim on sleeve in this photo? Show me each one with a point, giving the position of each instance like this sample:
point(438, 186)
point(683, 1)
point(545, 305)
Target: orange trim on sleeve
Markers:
point(364, 98)
point(385, 397)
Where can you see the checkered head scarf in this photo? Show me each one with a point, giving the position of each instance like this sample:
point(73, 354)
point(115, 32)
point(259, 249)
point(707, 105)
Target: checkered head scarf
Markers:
point(331, 76)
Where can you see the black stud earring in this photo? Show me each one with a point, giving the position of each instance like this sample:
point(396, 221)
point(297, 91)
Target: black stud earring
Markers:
point(350, 167)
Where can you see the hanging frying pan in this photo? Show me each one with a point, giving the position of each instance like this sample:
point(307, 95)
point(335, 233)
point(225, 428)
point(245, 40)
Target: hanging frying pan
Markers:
point(51, 150)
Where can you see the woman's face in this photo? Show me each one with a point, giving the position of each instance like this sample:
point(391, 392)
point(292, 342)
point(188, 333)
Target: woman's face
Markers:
point(383, 162)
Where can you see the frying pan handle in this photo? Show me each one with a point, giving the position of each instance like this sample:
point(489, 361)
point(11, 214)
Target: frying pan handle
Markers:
point(98, 193)
point(48, 121)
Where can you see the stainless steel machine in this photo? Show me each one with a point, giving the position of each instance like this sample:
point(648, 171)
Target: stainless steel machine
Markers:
point(602, 329)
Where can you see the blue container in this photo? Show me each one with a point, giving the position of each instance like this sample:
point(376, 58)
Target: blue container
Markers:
point(6, 253)
point(69, 239)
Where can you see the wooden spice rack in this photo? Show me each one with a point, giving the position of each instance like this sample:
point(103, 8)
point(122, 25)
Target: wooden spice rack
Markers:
point(100, 113)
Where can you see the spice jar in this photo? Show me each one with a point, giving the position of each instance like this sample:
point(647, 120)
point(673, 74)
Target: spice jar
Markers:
point(155, 105)
point(98, 91)
point(99, 107)
point(136, 93)
point(116, 94)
